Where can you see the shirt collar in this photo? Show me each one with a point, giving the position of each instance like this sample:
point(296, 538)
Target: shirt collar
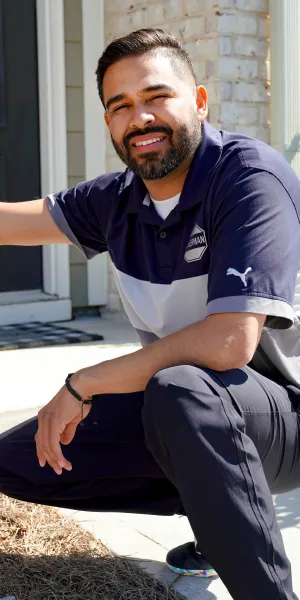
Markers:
point(206, 158)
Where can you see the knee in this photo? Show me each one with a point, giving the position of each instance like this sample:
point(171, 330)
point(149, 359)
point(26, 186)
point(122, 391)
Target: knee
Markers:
point(167, 391)
point(159, 386)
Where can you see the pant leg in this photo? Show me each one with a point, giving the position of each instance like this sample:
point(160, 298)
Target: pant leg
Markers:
point(112, 468)
point(198, 425)
point(274, 428)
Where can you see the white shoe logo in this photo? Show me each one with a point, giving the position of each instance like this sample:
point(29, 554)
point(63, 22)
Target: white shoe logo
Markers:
point(232, 271)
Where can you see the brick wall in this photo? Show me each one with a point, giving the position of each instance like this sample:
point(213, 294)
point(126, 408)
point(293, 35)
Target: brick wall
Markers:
point(228, 41)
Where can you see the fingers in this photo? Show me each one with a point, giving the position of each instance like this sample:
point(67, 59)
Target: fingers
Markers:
point(41, 457)
point(57, 422)
point(56, 454)
point(70, 430)
point(48, 446)
point(68, 434)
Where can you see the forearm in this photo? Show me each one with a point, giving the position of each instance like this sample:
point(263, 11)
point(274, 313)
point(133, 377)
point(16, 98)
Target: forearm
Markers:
point(28, 224)
point(198, 344)
point(131, 373)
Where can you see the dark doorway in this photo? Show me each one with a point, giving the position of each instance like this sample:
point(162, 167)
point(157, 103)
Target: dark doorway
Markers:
point(20, 267)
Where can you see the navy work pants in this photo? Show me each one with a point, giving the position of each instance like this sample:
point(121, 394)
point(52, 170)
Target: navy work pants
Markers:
point(210, 445)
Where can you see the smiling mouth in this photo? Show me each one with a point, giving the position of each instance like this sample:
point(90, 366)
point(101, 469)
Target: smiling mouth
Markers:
point(148, 144)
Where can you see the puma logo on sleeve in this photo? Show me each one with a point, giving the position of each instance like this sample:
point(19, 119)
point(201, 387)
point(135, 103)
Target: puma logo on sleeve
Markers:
point(242, 276)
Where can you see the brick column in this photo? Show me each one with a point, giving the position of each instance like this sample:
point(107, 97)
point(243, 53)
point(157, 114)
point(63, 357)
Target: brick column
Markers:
point(238, 79)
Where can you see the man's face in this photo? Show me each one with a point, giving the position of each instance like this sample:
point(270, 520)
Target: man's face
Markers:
point(168, 118)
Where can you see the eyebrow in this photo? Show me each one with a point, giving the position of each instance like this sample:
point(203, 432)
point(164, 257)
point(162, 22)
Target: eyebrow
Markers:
point(151, 88)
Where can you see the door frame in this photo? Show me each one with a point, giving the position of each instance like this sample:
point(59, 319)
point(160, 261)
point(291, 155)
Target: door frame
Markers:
point(53, 303)
point(53, 132)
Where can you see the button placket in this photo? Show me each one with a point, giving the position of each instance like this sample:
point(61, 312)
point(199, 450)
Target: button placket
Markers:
point(163, 256)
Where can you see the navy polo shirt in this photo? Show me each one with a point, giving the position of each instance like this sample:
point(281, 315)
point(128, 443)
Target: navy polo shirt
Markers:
point(232, 244)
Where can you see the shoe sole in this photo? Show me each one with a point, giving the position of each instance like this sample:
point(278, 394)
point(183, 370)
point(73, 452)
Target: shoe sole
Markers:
point(190, 573)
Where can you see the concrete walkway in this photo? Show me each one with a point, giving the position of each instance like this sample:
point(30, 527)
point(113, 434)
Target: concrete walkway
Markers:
point(30, 378)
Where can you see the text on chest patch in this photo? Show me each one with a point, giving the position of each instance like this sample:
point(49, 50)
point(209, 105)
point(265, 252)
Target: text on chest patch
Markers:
point(197, 245)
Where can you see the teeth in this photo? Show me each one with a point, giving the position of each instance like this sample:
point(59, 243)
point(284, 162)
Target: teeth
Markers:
point(148, 142)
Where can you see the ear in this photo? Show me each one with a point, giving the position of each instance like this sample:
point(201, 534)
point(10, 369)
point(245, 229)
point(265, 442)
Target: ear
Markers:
point(106, 119)
point(201, 101)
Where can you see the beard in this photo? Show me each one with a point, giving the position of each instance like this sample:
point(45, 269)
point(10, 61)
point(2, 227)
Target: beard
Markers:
point(153, 165)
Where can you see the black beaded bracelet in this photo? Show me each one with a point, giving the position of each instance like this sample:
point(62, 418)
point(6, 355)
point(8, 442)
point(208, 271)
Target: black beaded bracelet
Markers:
point(75, 394)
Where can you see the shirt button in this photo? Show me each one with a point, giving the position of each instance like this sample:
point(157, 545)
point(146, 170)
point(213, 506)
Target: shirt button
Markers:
point(162, 235)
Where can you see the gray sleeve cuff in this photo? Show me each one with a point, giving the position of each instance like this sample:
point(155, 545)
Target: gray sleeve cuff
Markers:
point(280, 314)
point(61, 222)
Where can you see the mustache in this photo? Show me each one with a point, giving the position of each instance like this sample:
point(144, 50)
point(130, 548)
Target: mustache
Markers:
point(157, 129)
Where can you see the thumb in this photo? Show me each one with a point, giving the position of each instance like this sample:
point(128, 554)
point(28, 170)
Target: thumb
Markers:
point(68, 433)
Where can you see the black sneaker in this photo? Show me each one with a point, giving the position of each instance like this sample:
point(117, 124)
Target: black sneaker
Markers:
point(184, 560)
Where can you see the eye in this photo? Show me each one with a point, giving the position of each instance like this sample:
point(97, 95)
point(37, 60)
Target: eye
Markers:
point(119, 107)
point(159, 96)
point(153, 98)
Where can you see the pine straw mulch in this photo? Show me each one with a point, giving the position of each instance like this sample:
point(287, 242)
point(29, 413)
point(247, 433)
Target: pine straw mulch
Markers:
point(45, 556)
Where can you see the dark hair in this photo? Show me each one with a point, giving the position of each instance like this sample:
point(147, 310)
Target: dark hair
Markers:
point(142, 41)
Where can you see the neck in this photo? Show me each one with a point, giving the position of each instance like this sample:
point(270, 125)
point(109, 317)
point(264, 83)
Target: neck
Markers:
point(172, 184)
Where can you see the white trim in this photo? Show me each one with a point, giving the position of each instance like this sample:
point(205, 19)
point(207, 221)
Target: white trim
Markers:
point(285, 79)
point(53, 136)
point(23, 308)
point(23, 296)
point(94, 130)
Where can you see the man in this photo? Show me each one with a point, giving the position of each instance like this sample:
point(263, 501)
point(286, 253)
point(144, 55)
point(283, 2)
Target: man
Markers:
point(204, 234)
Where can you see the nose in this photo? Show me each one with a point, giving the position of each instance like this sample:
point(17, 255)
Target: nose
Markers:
point(140, 118)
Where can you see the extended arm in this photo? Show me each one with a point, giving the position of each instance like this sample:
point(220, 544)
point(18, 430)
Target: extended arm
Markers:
point(28, 224)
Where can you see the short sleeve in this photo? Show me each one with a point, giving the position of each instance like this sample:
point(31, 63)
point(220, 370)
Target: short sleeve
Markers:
point(82, 213)
point(255, 249)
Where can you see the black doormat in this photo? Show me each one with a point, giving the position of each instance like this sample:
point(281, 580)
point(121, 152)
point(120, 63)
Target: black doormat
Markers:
point(33, 335)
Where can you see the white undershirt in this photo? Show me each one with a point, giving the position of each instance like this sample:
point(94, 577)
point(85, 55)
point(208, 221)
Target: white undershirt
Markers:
point(164, 207)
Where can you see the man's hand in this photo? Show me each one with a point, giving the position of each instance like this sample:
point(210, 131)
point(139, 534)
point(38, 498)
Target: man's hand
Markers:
point(58, 421)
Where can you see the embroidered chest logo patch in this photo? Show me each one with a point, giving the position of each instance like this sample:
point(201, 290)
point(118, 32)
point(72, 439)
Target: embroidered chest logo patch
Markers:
point(196, 246)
